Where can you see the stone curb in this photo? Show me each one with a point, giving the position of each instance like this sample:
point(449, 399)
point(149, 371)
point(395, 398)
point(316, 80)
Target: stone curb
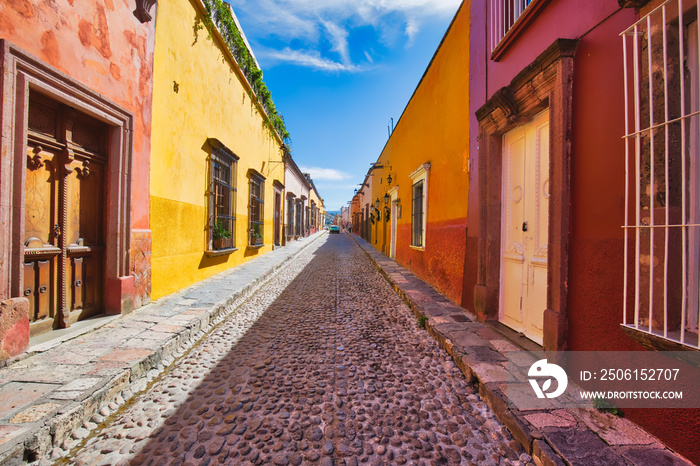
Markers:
point(33, 440)
point(608, 440)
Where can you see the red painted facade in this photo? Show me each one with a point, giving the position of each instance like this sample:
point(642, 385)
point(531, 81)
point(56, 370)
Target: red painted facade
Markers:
point(588, 278)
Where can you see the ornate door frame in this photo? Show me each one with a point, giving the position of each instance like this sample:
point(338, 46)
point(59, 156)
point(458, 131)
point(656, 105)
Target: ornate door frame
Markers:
point(545, 83)
point(22, 72)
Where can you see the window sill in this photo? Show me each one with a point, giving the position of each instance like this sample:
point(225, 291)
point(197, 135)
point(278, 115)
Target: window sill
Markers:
point(220, 252)
point(517, 28)
point(417, 248)
point(257, 246)
point(655, 342)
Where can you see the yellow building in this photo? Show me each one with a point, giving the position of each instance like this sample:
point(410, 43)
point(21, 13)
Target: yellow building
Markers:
point(216, 179)
point(412, 205)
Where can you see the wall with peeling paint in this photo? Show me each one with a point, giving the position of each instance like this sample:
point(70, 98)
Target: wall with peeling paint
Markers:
point(199, 93)
point(105, 48)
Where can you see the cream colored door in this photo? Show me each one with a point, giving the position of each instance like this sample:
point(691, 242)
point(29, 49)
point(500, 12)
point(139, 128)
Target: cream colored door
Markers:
point(525, 221)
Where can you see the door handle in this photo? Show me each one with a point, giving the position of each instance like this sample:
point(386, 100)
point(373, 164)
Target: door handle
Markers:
point(57, 230)
point(524, 226)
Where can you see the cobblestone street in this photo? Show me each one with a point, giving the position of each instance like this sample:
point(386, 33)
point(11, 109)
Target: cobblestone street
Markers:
point(325, 365)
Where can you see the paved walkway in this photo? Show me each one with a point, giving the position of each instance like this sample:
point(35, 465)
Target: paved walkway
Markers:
point(324, 365)
point(63, 385)
point(576, 436)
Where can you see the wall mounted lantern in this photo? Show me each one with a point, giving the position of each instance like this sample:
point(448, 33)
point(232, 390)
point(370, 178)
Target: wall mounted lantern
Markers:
point(388, 179)
point(387, 198)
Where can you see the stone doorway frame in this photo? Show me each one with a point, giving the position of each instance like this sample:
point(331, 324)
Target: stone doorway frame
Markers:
point(545, 83)
point(20, 73)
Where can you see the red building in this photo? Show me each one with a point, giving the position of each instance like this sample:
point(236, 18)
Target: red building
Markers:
point(75, 123)
point(570, 124)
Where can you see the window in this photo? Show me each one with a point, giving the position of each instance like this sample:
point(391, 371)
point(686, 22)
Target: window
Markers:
point(662, 208)
point(256, 224)
point(418, 205)
point(504, 14)
point(222, 197)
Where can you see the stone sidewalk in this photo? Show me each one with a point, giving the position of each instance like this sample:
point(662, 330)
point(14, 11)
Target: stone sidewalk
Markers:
point(552, 436)
point(58, 390)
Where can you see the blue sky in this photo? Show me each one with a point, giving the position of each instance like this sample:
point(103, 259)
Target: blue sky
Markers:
point(339, 70)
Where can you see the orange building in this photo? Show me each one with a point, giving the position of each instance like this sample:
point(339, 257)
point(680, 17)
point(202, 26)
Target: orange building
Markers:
point(412, 205)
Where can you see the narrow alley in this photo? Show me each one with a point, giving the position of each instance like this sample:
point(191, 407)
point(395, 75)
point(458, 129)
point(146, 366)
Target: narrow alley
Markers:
point(324, 365)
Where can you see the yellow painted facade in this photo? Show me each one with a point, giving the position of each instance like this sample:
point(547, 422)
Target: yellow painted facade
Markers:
point(433, 129)
point(200, 93)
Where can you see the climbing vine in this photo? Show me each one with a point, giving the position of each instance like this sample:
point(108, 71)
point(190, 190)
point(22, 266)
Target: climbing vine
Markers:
point(220, 16)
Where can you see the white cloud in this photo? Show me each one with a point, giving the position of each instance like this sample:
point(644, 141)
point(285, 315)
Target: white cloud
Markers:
point(306, 24)
point(318, 173)
point(339, 39)
point(309, 59)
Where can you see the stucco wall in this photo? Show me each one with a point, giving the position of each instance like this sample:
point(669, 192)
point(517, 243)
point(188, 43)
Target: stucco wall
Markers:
point(198, 95)
point(434, 128)
point(101, 45)
point(595, 270)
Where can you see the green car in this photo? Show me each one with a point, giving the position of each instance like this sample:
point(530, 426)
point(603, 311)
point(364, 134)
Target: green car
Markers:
point(334, 229)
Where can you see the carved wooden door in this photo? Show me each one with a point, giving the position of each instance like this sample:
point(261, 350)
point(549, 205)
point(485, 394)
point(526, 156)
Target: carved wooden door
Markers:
point(64, 224)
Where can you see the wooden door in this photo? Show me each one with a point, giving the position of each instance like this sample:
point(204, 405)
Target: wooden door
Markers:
point(525, 222)
point(278, 217)
point(64, 224)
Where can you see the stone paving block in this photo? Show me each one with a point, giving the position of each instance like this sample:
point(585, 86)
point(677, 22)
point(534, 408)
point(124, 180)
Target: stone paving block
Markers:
point(467, 339)
point(520, 395)
point(543, 455)
point(484, 354)
point(71, 359)
point(80, 384)
point(7, 433)
point(504, 346)
point(67, 395)
point(153, 335)
point(581, 446)
point(34, 413)
point(195, 311)
point(557, 418)
point(103, 368)
point(489, 334)
point(614, 430)
point(654, 457)
point(16, 395)
point(125, 355)
point(49, 373)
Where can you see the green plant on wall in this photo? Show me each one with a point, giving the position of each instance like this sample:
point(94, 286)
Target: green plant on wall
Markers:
point(220, 16)
point(220, 230)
